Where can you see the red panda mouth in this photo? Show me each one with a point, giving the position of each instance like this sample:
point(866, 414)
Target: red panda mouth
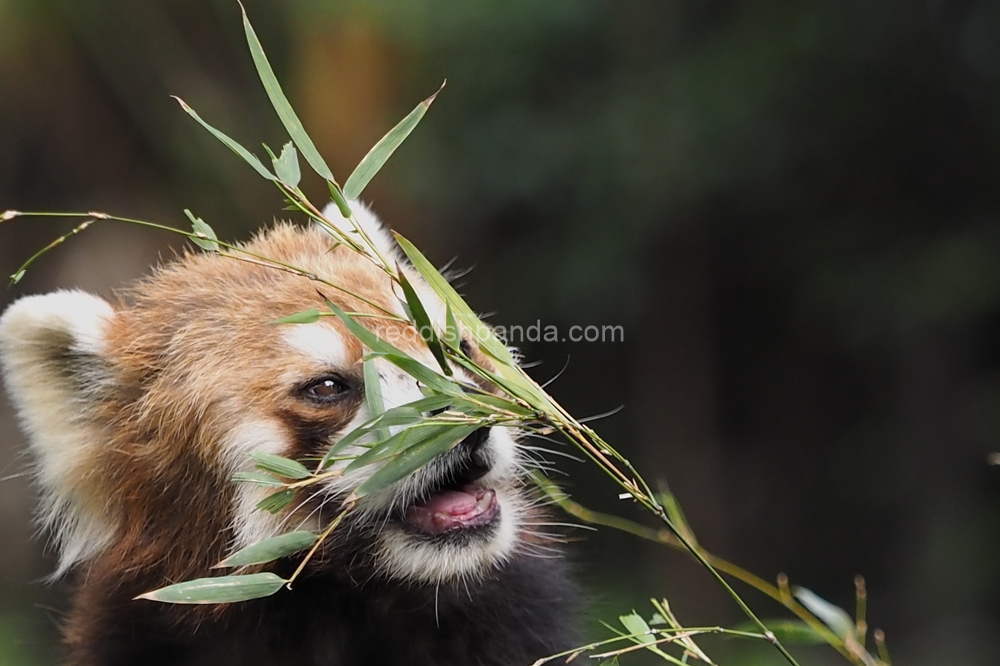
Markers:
point(458, 503)
point(464, 508)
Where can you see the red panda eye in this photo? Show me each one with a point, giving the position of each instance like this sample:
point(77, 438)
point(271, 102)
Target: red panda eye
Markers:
point(465, 347)
point(325, 390)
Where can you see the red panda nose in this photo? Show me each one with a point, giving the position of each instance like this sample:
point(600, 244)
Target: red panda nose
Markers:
point(475, 441)
point(475, 462)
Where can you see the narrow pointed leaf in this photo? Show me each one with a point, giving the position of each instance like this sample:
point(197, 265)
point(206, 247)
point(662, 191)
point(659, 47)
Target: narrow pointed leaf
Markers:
point(397, 357)
point(338, 198)
point(373, 395)
point(269, 550)
point(788, 631)
point(500, 402)
point(367, 338)
point(452, 334)
point(414, 435)
point(219, 590)
point(635, 624)
point(281, 105)
point(249, 157)
point(383, 150)
point(383, 449)
point(676, 515)
point(413, 458)
point(287, 166)
point(425, 375)
point(276, 502)
point(515, 381)
point(423, 322)
point(511, 383)
point(260, 478)
point(304, 317)
point(204, 235)
point(397, 416)
point(832, 616)
point(483, 334)
point(279, 465)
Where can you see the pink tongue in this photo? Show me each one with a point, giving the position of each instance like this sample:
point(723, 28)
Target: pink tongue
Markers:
point(453, 509)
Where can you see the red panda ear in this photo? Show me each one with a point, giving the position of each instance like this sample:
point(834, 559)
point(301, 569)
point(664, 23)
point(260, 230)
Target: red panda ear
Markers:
point(368, 221)
point(53, 357)
point(387, 245)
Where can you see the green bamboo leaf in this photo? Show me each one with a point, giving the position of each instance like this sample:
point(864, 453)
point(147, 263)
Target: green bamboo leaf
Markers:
point(514, 381)
point(397, 416)
point(452, 334)
point(305, 317)
point(836, 618)
point(414, 457)
point(269, 550)
point(425, 375)
point(280, 103)
point(676, 515)
point(482, 333)
point(423, 321)
point(373, 395)
point(275, 502)
point(397, 357)
point(260, 478)
point(279, 465)
point(338, 198)
point(287, 166)
point(414, 435)
point(206, 238)
point(635, 624)
point(788, 631)
point(414, 411)
point(249, 157)
point(500, 402)
point(392, 445)
point(220, 590)
point(350, 438)
point(367, 338)
point(383, 150)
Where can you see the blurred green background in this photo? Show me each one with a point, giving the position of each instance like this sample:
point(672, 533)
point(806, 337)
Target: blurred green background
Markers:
point(792, 208)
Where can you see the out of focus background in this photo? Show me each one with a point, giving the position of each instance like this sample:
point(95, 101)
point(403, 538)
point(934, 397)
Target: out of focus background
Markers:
point(792, 209)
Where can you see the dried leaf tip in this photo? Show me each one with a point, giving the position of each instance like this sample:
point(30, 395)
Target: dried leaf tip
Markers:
point(430, 100)
point(9, 215)
point(99, 216)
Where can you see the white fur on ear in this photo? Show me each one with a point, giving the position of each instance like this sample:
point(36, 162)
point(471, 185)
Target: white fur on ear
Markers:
point(52, 355)
point(368, 221)
point(387, 245)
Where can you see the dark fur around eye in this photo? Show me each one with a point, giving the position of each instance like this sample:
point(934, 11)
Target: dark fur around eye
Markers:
point(465, 347)
point(326, 390)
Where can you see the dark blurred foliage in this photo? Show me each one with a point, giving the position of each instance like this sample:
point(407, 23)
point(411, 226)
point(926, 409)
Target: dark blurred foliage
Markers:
point(792, 208)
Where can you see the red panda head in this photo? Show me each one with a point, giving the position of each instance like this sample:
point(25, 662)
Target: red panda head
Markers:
point(140, 412)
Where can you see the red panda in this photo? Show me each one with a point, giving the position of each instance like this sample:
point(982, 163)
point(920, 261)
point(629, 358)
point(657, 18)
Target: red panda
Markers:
point(140, 412)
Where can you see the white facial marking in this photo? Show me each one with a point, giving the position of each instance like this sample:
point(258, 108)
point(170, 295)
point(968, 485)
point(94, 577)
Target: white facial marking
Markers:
point(320, 342)
point(250, 524)
point(405, 556)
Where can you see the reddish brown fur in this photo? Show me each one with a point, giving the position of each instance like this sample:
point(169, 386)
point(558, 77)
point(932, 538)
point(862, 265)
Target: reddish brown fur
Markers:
point(193, 351)
point(182, 344)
